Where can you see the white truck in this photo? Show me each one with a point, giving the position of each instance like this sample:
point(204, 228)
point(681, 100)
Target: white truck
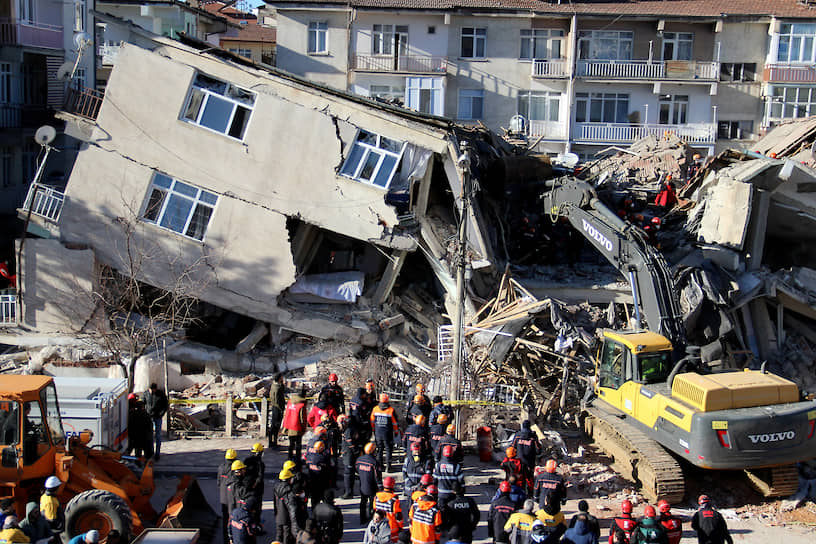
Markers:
point(98, 404)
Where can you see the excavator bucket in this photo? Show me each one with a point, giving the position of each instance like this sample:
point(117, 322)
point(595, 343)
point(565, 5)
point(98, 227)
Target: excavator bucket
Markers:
point(188, 509)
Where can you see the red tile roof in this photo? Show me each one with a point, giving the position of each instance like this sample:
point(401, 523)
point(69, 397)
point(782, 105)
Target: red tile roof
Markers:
point(249, 29)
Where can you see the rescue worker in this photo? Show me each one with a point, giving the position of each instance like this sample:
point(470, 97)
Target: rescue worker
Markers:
point(294, 422)
point(351, 450)
point(384, 426)
point(255, 472)
point(528, 447)
point(672, 524)
point(439, 408)
point(414, 468)
point(287, 524)
point(357, 406)
point(517, 494)
point(552, 517)
point(461, 516)
point(424, 404)
point(424, 483)
point(649, 530)
point(378, 530)
point(50, 507)
point(91, 537)
point(364, 411)
point(450, 439)
point(277, 404)
point(622, 526)
point(243, 525)
point(417, 433)
point(500, 511)
point(329, 520)
point(35, 526)
point(237, 485)
point(520, 524)
point(709, 524)
point(224, 471)
point(511, 465)
point(447, 473)
point(437, 431)
point(334, 394)
point(370, 475)
point(387, 501)
point(580, 532)
point(156, 405)
point(318, 468)
point(426, 519)
point(549, 482)
point(322, 407)
point(11, 532)
point(318, 433)
point(590, 520)
point(334, 442)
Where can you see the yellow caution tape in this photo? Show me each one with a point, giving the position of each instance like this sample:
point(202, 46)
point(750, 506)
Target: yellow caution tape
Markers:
point(235, 400)
point(480, 403)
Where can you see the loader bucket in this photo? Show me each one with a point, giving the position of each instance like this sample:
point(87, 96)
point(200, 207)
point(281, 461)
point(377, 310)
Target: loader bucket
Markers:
point(189, 509)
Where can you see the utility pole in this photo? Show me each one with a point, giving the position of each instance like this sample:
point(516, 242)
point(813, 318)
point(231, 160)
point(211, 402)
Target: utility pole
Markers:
point(461, 264)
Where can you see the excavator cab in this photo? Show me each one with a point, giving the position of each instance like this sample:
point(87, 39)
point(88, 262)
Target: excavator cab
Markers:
point(639, 356)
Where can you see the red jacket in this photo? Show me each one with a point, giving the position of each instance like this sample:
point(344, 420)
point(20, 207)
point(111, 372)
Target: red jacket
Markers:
point(673, 526)
point(294, 416)
point(316, 413)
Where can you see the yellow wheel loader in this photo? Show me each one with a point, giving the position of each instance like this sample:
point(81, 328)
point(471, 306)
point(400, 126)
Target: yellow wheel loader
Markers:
point(99, 491)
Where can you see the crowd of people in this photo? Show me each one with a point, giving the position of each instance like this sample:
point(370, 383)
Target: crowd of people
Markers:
point(434, 505)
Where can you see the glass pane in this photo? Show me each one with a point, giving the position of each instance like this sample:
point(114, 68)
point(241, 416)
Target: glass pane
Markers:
point(312, 41)
point(480, 47)
point(52, 414)
point(538, 108)
point(208, 198)
point(176, 213)
point(623, 111)
point(476, 107)
point(212, 84)
point(35, 437)
point(784, 48)
point(217, 113)
point(239, 122)
point(160, 180)
point(796, 44)
point(595, 111)
point(191, 112)
point(554, 107)
point(199, 222)
point(186, 190)
point(387, 166)
point(390, 145)
point(525, 48)
point(241, 95)
point(524, 104)
point(367, 138)
point(9, 416)
point(370, 164)
point(467, 46)
point(154, 204)
point(353, 160)
point(684, 51)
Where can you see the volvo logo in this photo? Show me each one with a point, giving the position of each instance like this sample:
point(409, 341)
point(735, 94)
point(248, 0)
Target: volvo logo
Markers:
point(597, 236)
point(772, 437)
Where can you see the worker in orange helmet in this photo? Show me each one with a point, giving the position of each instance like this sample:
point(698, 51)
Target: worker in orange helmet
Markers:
point(370, 475)
point(450, 439)
point(511, 465)
point(419, 404)
point(384, 425)
point(670, 522)
point(549, 482)
point(417, 433)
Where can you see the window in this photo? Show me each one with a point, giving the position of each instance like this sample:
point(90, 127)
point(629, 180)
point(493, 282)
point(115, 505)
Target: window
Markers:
point(179, 207)
point(792, 102)
point(373, 159)
point(318, 37)
point(677, 45)
point(471, 103)
point(539, 106)
point(655, 367)
point(242, 52)
point(388, 39)
point(738, 71)
point(673, 109)
point(28, 10)
point(79, 15)
point(48, 396)
point(796, 43)
point(612, 365)
point(735, 130)
point(605, 44)
point(6, 166)
point(5, 82)
point(425, 94)
point(474, 41)
point(541, 44)
point(35, 438)
point(388, 93)
point(28, 157)
point(219, 106)
point(601, 107)
point(79, 77)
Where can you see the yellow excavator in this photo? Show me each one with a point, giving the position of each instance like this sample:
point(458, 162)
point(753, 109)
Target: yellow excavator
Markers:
point(655, 402)
point(98, 490)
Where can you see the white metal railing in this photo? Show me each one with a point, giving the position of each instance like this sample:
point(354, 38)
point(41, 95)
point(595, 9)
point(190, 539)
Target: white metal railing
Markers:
point(790, 73)
point(646, 69)
point(108, 53)
point(401, 63)
point(8, 309)
point(44, 201)
point(550, 68)
point(550, 130)
point(695, 133)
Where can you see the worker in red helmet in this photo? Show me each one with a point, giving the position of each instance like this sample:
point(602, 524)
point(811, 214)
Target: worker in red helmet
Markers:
point(709, 524)
point(426, 519)
point(672, 524)
point(622, 526)
point(388, 502)
point(385, 428)
point(417, 433)
point(500, 511)
point(334, 394)
point(649, 530)
point(447, 474)
point(424, 482)
point(549, 482)
point(450, 439)
point(414, 468)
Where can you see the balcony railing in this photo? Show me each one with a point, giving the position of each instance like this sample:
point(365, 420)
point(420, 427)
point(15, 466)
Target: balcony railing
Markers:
point(550, 68)
point(693, 133)
point(645, 69)
point(108, 54)
point(29, 33)
point(83, 102)
point(8, 308)
point(403, 63)
point(549, 130)
point(44, 201)
point(789, 73)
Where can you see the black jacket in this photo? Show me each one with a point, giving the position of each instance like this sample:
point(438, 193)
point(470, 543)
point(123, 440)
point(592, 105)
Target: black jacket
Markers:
point(329, 521)
point(710, 526)
point(461, 516)
point(255, 470)
point(370, 475)
point(242, 528)
point(156, 403)
point(224, 472)
point(417, 434)
point(335, 397)
point(500, 511)
point(526, 443)
point(549, 483)
point(286, 506)
point(450, 440)
point(237, 491)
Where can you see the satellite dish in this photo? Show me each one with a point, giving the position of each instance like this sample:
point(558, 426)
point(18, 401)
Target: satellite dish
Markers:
point(518, 124)
point(81, 40)
point(65, 70)
point(568, 159)
point(45, 135)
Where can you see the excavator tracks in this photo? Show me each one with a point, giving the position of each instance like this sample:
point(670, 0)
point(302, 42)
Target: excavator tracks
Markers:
point(636, 456)
point(774, 482)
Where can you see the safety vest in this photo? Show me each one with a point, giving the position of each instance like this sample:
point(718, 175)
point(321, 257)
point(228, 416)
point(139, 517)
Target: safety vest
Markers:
point(382, 418)
point(674, 528)
point(389, 503)
point(627, 525)
point(425, 522)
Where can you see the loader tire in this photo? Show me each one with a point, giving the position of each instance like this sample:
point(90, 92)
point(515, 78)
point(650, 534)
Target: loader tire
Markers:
point(100, 510)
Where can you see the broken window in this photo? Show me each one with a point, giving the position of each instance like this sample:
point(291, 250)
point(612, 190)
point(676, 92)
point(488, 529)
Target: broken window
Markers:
point(373, 159)
point(541, 43)
point(318, 37)
point(388, 93)
point(738, 71)
point(735, 130)
point(474, 43)
point(179, 207)
point(219, 106)
point(471, 102)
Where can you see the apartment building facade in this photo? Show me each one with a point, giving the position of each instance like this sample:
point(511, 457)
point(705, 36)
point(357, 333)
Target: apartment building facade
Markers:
point(583, 76)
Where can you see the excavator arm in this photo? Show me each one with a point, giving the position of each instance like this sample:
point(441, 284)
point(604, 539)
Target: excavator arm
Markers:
point(626, 247)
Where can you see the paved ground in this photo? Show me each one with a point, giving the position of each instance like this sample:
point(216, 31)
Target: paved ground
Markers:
point(201, 457)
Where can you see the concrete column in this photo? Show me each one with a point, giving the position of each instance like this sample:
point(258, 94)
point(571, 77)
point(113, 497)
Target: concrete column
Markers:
point(264, 416)
point(759, 224)
point(228, 408)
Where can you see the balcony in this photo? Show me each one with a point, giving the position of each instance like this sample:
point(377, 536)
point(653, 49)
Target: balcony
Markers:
point(548, 130)
point(789, 73)
point(692, 133)
point(415, 64)
point(83, 102)
point(29, 33)
point(8, 307)
point(108, 54)
point(649, 70)
point(44, 201)
point(546, 68)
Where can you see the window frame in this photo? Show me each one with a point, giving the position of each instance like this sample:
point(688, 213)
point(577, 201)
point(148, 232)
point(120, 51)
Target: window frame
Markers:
point(796, 37)
point(805, 107)
point(738, 72)
point(80, 17)
point(167, 194)
point(318, 29)
point(382, 39)
point(469, 96)
point(477, 35)
point(592, 38)
point(362, 150)
point(734, 130)
point(532, 36)
point(549, 99)
point(210, 94)
point(678, 40)
point(604, 98)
